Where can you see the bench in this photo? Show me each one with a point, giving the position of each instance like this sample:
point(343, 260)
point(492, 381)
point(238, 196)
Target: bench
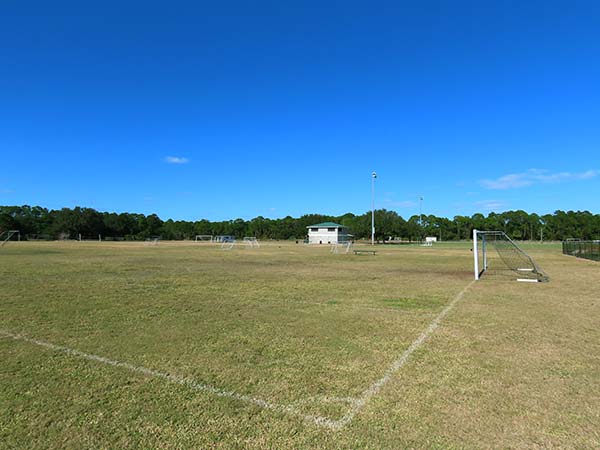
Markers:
point(364, 252)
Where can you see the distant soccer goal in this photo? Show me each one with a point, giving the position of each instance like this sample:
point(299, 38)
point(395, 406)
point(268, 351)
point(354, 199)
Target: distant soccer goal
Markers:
point(6, 236)
point(341, 247)
point(204, 238)
point(84, 238)
point(251, 242)
point(227, 243)
point(152, 241)
point(511, 256)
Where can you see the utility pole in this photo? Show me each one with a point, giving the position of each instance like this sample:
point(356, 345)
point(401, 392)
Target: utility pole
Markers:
point(373, 176)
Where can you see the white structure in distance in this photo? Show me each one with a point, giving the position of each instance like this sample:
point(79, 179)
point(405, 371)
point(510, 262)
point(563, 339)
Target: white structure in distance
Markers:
point(328, 233)
point(224, 238)
point(251, 242)
point(228, 243)
point(429, 240)
point(342, 247)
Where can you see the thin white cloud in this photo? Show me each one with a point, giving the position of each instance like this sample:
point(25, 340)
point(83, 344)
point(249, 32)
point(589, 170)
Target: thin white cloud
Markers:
point(176, 160)
point(491, 205)
point(588, 174)
point(535, 176)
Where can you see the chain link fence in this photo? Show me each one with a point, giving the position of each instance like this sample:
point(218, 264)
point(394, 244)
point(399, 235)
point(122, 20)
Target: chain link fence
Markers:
point(582, 249)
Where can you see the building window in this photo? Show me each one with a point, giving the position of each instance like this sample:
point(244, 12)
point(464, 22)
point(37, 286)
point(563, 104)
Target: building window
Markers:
point(331, 229)
point(314, 229)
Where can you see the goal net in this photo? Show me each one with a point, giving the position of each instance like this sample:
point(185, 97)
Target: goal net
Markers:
point(251, 242)
point(510, 257)
point(341, 247)
point(204, 238)
point(227, 243)
point(151, 241)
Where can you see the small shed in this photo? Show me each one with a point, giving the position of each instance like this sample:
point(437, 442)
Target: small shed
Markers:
point(328, 233)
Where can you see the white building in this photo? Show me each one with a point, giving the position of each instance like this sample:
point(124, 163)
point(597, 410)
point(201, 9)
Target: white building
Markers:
point(327, 233)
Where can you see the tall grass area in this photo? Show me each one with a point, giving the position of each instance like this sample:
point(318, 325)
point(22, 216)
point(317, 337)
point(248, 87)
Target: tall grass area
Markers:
point(511, 366)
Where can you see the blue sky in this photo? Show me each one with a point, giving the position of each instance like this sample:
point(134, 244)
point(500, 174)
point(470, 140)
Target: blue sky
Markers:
point(221, 110)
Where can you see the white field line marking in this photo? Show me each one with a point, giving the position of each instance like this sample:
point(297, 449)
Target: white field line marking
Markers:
point(398, 363)
point(287, 409)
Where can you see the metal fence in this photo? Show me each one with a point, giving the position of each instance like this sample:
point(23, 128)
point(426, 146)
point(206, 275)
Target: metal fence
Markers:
point(582, 249)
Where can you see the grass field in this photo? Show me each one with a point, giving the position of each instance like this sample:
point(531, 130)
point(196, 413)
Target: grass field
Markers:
point(184, 345)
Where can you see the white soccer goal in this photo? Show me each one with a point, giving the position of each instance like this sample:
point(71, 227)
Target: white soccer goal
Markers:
point(511, 256)
point(228, 243)
point(251, 242)
point(151, 241)
point(5, 236)
point(204, 238)
point(341, 247)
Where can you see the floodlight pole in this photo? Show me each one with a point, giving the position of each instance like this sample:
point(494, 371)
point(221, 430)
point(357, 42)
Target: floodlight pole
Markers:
point(373, 176)
point(421, 210)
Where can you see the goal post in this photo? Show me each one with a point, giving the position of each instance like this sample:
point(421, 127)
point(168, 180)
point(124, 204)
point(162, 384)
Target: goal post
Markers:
point(204, 238)
point(510, 254)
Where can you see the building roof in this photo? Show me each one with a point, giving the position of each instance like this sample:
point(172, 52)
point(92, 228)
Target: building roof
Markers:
point(326, 225)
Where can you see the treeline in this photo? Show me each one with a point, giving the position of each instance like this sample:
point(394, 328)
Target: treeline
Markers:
point(35, 222)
